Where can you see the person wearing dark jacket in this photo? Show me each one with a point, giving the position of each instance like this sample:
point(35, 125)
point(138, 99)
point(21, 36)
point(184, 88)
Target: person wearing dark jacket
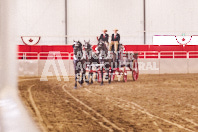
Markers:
point(115, 39)
point(104, 37)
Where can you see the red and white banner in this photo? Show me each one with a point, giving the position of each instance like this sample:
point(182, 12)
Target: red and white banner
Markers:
point(30, 40)
point(175, 40)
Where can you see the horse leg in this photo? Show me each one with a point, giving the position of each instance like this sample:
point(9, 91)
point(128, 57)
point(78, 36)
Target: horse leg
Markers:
point(107, 71)
point(76, 74)
point(86, 79)
point(102, 76)
point(91, 74)
point(79, 78)
point(75, 80)
point(96, 79)
point(107, 76)
point(111, 74)
point(91, 78)
point(82, 76)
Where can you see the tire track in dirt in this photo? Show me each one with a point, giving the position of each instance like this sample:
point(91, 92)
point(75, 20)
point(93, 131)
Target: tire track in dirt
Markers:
point(95, 112)
point(186, 119)
point(192, 122)
point(124, 107)
point(142, 110)
point(192, 106)
point(41, 121)
point(89, 115)
point(35, 78)
point(120, 106)
point(100, 123)
point(37, 112)
point(22, 80)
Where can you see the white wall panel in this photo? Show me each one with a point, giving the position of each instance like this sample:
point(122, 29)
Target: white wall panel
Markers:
point(171, 17)
point(177, 66)
point(146, 66)
point(86, 19)
point(149, 66)
point(42, 17)
point(193, 65)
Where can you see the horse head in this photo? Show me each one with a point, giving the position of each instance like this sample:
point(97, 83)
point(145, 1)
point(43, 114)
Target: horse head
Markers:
point(77, 46)
point(87, 46)
point(102, 49)
point(121, 48)
point(101, 45)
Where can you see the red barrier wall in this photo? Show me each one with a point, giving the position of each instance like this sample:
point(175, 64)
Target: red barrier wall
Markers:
point(166, 51)
point(68, 48)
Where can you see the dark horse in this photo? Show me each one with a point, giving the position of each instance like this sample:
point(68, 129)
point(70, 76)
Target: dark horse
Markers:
point(79, 63)
point(105, 60)
point(91, 59)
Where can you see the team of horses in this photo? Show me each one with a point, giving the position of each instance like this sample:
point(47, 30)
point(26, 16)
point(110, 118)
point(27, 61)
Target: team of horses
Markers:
point(86, 58)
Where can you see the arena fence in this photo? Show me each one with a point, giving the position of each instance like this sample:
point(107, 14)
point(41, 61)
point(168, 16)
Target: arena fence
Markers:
point(150, 62)
point(153, 59)
point(141, 55)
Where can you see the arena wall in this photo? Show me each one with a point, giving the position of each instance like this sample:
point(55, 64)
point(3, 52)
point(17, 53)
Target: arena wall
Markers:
point(41, 18)
point(153, 59)
point(175, 18)
point(146, 66)
point(135, 48)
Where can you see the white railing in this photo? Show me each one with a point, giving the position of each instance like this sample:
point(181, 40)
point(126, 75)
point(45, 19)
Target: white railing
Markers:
point(28, 55)
point(148, 54)
point(141, 54)
point(42, 55)
point(45, 55)
point(193, 54)
point(173, 54)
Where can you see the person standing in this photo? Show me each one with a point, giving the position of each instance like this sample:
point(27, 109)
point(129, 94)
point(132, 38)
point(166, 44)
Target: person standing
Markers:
point(115, 39)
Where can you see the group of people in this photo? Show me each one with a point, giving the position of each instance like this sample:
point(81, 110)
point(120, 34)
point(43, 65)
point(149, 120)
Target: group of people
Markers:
point(115, 39)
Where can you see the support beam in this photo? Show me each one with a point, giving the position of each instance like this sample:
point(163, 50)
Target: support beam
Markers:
point(66, 21)
point(144, 11)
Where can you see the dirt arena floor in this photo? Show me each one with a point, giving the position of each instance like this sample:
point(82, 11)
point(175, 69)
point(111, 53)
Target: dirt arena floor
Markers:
point(154, 103)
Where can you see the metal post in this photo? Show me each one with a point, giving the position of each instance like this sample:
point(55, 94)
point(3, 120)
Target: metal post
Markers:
point(66, 21)
point(144, 11)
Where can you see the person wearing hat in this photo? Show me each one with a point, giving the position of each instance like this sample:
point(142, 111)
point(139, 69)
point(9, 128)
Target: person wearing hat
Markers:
point(104, 37)
point(115, 38)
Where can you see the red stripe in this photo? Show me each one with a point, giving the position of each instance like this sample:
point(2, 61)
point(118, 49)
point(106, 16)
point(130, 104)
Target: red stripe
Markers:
point(135, 48)
point(68, 48)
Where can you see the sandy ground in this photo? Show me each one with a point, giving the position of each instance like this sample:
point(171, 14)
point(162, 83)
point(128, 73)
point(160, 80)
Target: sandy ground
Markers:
point(154, 103)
